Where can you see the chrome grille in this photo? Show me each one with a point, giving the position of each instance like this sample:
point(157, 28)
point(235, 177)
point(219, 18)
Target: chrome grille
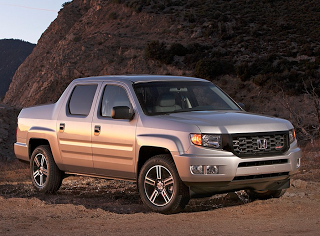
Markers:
point(260, 144)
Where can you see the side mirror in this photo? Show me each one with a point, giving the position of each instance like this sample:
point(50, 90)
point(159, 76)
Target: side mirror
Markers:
point(242, 105)
point(122, 112)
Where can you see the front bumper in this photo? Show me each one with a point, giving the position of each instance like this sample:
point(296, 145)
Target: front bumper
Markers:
point(238, 173)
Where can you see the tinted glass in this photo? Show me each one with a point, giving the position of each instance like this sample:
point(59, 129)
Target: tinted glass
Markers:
point(81, 99)
point(168, 97)
point(113, 96)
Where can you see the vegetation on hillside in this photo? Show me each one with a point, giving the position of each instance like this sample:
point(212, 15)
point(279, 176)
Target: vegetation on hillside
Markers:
point(271, 43)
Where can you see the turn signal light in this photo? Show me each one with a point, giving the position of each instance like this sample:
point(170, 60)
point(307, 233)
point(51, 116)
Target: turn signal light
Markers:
point(196, 139)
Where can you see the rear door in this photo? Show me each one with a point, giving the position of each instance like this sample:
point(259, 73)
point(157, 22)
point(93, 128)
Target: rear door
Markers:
point(113, 140)
point(75, 129)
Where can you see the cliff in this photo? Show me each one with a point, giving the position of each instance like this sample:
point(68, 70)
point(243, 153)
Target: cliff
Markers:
point(257, 43)
point(88, 38)
point(263, 53)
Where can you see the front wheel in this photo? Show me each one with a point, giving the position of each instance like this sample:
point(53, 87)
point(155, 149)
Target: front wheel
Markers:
point(160, 186)
point(45, 174)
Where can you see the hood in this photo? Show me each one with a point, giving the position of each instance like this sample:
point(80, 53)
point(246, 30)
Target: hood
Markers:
point(231, 122)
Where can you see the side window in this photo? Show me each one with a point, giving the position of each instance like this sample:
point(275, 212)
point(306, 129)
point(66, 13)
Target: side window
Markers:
point(81, 99)
point(113, 96)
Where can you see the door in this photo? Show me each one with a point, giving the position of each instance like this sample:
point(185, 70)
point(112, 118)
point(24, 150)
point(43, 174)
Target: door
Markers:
point(75, 129)
point(113, 140)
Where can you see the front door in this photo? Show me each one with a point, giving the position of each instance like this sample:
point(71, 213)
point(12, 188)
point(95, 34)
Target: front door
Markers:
point(113, 140)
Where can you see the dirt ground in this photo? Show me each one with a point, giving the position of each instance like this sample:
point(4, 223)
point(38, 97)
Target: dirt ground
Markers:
point(89, 206)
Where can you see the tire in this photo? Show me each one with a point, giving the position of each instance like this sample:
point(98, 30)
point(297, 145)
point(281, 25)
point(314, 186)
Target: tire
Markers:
point(160, 186)
point(45, 174)
point(267, 194)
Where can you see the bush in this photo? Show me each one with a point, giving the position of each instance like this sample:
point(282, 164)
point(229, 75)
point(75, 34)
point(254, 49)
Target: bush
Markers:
point(243, 71)
point(113, 16)
point(158, 51)
point(260, 80)
point(197, 48)
point(65, 4)
point(208, 68)
point(178, 49)
point(117, 1)
point(77, 39)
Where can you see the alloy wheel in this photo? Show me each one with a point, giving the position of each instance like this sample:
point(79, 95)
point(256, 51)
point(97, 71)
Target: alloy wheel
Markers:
point(159, 185)
point(40, 169)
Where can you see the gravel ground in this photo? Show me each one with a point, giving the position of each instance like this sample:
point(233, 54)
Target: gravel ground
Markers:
point(91, 206)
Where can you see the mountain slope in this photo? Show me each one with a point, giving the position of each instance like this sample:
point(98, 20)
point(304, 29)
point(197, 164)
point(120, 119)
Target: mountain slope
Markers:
point(263, 42)
point(12, 54)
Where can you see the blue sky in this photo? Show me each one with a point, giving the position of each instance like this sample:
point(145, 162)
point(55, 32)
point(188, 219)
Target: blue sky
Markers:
point(27, 20)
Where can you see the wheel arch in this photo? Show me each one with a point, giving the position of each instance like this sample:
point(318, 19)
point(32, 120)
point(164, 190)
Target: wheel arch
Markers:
point(147, 152)
point(44, 136)
point(156, 144)
point(36, 142)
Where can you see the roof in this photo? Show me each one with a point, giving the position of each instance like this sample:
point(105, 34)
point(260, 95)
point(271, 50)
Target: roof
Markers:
point(140, 78)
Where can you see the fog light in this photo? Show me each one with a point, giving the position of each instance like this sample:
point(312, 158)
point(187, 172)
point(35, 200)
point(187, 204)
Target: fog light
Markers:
point(204, 170)
point(212, 170)
point(298, 163)
point(197, 170)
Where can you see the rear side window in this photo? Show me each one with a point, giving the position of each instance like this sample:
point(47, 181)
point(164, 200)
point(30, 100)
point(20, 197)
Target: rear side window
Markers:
point(81, 99)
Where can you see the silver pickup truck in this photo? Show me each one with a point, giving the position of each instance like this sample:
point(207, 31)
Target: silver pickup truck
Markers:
point(177, 137)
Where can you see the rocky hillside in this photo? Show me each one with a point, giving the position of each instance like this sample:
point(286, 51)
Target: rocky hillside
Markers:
point(8, 125)
point(12, 53)
point(260, 52)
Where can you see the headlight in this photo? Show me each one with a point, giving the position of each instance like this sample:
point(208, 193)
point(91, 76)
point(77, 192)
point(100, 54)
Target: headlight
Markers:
point(292, 136)
point(206, 140)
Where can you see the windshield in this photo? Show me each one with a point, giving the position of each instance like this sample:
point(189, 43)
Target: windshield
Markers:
point(171, 97)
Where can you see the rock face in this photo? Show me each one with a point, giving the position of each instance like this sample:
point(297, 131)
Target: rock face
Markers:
point(88, 38)
point(12, 53)
point(8, 125)
point(261, 42)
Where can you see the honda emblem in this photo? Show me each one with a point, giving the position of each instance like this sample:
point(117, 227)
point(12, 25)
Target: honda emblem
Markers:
point(262, 144)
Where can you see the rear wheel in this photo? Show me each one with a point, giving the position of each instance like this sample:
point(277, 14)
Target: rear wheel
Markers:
point(266, 194)
point(45, 174)
point(160, 186)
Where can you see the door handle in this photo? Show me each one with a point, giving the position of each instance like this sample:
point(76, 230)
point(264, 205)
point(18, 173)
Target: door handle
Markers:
point(97, 129)
point(61, 127)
